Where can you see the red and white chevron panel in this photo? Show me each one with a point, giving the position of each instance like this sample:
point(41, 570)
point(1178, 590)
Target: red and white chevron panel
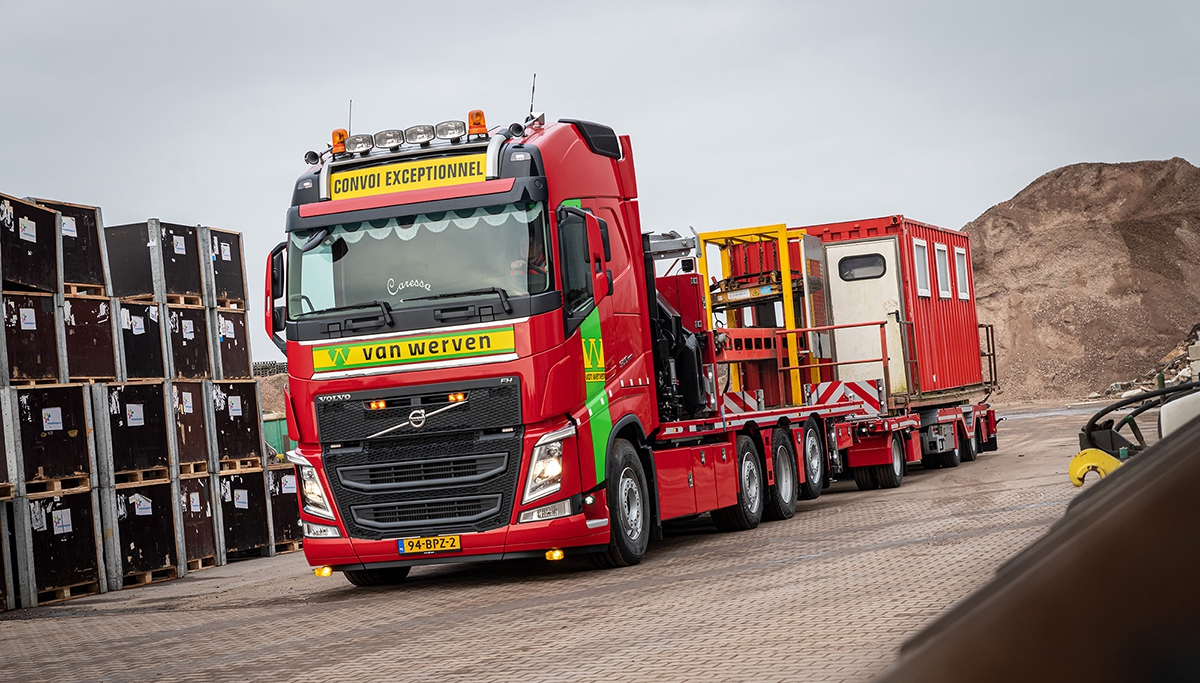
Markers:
point(740, 401)
point(866, 391)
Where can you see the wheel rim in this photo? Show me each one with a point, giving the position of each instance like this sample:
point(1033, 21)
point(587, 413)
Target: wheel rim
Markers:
point(784, 464)
point(630, 504)
point(750, 483)
point(897, 459)
point(812, 456)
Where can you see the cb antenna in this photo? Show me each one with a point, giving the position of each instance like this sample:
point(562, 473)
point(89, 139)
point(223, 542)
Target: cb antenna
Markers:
point(532, 91)
point(350, 118)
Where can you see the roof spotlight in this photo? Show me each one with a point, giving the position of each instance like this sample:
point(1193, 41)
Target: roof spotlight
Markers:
point(450, 130)
point(391, 139)
point(418, 135)
point(359, 144)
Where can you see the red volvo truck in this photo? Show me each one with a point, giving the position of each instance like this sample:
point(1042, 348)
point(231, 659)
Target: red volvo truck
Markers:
point(483, 363)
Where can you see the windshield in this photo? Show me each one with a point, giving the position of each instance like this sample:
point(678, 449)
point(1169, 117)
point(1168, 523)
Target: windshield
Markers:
point(396, 260)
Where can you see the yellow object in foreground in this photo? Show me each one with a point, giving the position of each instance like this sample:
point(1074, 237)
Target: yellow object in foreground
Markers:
point(1091, 460)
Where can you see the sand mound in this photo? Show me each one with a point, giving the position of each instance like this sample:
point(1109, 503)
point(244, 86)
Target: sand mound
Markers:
point(1090, 274)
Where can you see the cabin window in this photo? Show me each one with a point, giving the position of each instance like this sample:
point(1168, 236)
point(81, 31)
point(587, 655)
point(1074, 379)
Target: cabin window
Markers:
point(862, 267)
point(943, 270)
point(960, 271)
point(921, 266)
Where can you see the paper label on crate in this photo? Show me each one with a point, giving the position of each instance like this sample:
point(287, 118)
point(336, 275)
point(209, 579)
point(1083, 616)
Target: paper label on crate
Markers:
point(6, 215)
point(189, 329)
point(187, 402)
point(241, 499)
point(62, 521)
point(180, 245)
point(52, 419)
point(288, 483)
point(125, 319)
point(227, 328)
point(235, 406)
point(194, 501)
point(28, 230)
point(137, 324)
point(135, 416)
point(226, 255)
point(28, 319)
point(152, 311)
point(37, 516)
point(68, 227)
point(142, 506)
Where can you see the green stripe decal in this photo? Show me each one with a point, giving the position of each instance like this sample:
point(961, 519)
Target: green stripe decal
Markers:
point(597, 399)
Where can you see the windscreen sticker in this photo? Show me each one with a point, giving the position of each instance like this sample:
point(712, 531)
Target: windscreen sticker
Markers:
point(401, 350)
point(413, 175)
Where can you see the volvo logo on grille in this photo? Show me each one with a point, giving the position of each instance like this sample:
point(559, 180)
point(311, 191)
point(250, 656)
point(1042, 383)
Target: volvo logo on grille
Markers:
point(417, 418)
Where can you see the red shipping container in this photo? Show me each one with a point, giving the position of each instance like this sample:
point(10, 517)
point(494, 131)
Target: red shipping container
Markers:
point(936, 296)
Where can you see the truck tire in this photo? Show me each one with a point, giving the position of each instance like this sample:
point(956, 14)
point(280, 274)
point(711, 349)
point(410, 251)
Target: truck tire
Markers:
point(889, 476)
point(950, 458)
point(365, 578)
point(628, 508)
point(815, 476)
point(783, 493)
point(864, 477)
point(747, 512)
point(971, 445)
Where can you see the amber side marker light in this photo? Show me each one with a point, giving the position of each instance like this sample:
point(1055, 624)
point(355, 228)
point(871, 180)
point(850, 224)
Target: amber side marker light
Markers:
point(339, 140)
point(457, 398)
point(323, 572)
point(555, 554)
point(377, 405)
point(476, 123)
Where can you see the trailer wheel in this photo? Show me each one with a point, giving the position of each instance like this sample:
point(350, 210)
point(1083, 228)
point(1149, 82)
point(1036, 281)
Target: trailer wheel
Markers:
point(864, 477)
point(366, 578)
point(951, 458)
point(628, 509)
point(783, 493)
point(747, 512)
point(815, 476)
point(972, 445)
point(890, 476)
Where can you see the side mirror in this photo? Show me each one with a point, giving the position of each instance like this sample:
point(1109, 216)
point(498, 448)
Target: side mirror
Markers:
point(275, 317)
point(604, 238)
point(593, 223)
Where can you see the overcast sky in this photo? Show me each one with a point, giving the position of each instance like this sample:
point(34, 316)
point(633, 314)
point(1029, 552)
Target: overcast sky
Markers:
point(742, 113)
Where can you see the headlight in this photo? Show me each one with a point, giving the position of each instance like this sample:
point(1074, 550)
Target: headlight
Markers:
point(315, 502)
point(546, 465)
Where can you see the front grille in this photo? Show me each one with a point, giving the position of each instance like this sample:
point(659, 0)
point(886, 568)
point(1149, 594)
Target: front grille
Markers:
point(426, 513)
point(389, 488)
point(423, 473)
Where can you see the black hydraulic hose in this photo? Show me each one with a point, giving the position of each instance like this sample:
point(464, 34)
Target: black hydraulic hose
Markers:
point(1087, 430)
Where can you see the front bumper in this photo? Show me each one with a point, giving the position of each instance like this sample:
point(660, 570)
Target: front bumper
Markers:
point(514, 540)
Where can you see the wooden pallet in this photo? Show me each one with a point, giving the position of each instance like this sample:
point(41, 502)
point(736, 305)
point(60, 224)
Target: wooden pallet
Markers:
point(80, 379)
point(190, 470)
point(233, 466)
point(288, 547)
point(78, 289)
point(185, 300)
point(146, 578)
point(6, 490)
point(246, 553)
point(52, 595)
point(151, 475)
point(201, 563)
point(29, 382)
point(45, 488)
point(231, 304)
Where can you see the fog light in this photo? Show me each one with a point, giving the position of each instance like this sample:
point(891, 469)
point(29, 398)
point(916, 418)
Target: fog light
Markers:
point(552, 511)
point(323, 572)
point(589, 500)
point(551, 555)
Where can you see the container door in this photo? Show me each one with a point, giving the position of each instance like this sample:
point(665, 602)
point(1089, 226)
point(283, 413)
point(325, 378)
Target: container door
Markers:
point(864, 286)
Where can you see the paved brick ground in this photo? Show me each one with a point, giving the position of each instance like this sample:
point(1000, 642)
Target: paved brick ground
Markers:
point(826, 596)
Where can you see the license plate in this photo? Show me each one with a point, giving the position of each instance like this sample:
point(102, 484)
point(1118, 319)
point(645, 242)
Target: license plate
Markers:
point(425, 545)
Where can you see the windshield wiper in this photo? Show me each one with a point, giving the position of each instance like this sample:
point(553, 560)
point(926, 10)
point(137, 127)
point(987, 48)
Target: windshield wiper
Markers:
point(498, 291)
point(383, 307)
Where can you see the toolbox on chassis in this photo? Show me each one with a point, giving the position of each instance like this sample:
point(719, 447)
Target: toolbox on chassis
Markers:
point(483, 363)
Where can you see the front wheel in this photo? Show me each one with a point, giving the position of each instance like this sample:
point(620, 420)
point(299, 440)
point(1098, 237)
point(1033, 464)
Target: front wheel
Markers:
point(747, 512)
point(628, 508)
point(783, 493)
point(366, 578)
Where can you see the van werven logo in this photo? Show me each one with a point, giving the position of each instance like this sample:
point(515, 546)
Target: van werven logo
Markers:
point(593, 359)
point(401, 350)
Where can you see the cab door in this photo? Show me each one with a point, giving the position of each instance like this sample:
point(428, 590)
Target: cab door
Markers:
point(864, 286)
